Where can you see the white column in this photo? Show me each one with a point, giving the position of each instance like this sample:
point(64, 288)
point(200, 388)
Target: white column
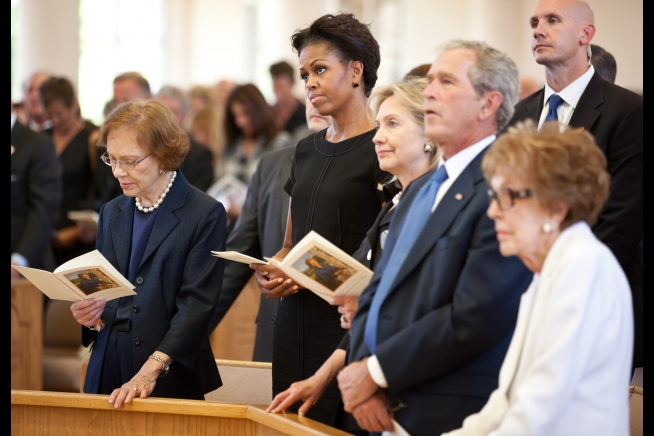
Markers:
point(49, 38)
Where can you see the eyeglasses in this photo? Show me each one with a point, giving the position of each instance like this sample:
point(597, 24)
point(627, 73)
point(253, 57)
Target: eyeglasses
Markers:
point(126, 165)
point(505, 197)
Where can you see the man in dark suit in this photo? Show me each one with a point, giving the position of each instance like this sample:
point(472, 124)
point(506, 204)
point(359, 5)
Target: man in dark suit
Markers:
point(562, 32)
point(428, 342)
point(35, 195)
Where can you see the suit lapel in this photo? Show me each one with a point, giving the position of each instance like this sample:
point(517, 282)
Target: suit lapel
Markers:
point(121, 232)
point(534, 107)
point(440, 220)
point(166, 220)
point(585, 113)
point(281, 181)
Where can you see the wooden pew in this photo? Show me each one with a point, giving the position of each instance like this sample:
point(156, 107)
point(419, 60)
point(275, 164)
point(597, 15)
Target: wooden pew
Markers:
point(26, 335)
point(72, 414)
point(243, 382)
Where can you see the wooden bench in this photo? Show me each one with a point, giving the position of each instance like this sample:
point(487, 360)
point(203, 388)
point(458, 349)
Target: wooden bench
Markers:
point(243, 382)
point(72, 414)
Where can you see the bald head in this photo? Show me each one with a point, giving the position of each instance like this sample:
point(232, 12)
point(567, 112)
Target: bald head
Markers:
point(562, 32)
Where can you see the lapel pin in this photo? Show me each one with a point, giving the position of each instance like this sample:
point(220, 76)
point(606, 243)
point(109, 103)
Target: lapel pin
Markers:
point(458, 196)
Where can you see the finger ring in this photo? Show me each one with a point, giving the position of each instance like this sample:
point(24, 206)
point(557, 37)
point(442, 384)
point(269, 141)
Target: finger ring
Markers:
point(136, 390)
point(343, 320)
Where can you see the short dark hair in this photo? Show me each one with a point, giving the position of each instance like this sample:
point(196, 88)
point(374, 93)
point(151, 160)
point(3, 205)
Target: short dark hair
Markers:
point(604, 63)
point(419, 71)
point(264, 121)
point(137, 77)
point(57, 89)
point(283, 68)
point(348, 38)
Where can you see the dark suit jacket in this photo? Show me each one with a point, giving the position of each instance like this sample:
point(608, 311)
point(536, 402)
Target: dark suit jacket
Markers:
point(35, 196)
point(259, 232)
point(178, 292)
point(446, 325)
point(614, 116)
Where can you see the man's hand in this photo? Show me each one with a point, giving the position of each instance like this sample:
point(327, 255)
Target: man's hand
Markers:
point(272, 282)
point(356, 384)
point(373, 414)
point(346, 306)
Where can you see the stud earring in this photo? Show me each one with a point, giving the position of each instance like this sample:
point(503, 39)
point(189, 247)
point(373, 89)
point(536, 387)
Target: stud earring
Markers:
point(547, 227)
point(163, 172)
point(355, 85)
point(428, 147)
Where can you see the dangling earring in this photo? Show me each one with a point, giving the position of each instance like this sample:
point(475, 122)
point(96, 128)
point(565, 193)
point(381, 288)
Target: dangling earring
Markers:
point(355, 85)
point(547, 227)
point(428, 147)
point(163, 172)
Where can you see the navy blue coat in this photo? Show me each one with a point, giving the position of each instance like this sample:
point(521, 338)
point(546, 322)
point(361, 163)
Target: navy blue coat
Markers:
point(445, 327)
point(178, 285)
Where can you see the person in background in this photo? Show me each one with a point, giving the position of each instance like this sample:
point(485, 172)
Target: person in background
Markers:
point(579, 98)
point(75, 144)
point(129, 86)
point(528, 85)
point(442, 296)
point(158, 235)
point(569, 363)
point(35, 197)
point(604, 63)
point(204, 129)
point(419, 71)
point(199, 97)
point(404, 151)
point(197, 166)
point(259, 232)
point(289, 110)
point(334, 191)
point(34, 115)
point(251, 130)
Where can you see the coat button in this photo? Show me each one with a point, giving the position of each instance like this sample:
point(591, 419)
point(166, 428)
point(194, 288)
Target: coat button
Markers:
point(136, 309)
point(137, 341)
point(139, 280)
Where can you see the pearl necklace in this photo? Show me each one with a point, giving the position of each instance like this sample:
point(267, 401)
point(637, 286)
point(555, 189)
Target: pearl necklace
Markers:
point(146, 209)
point(397, 197)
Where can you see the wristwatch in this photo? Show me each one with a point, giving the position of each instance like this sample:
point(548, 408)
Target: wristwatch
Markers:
point(164, 366)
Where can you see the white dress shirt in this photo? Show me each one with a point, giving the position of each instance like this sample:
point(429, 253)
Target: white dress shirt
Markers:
point(568, 366)
point(570, 95)
point(454, 167)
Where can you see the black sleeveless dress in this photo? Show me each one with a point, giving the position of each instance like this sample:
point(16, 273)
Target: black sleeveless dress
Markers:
point(335, 191)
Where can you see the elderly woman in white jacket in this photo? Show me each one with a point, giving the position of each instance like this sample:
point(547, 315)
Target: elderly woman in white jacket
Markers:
point(568, 367)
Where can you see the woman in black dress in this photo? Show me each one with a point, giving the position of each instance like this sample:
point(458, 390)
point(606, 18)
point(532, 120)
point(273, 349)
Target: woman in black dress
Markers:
point(75, 144)
point(334, 191)
point(404, 151)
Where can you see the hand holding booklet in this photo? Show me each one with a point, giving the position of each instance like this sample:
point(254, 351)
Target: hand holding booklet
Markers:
point(87, 276)
point(318, 265)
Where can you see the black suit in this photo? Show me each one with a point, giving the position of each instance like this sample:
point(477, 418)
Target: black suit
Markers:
point(35, 195)
point(614, 116)
point(446, 324)
point(259, 231)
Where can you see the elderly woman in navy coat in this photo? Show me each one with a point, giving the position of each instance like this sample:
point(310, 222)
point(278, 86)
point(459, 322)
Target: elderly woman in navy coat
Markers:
point(159, 235)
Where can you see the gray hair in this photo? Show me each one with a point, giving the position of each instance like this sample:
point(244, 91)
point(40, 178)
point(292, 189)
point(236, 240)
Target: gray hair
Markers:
point(493, 71)
point(173, 92)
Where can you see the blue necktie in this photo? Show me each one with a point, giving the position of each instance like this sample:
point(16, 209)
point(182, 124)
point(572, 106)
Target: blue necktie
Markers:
point(419, 212)
point(555, 102)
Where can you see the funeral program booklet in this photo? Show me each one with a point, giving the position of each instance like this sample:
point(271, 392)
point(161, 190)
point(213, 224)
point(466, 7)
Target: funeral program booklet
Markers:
point(87, 276)
point(318, 265)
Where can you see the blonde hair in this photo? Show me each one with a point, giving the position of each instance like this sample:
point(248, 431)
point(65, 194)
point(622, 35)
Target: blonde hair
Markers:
point(408, 94)
point(156, 129)
point(206, 121)
point(559, 168)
